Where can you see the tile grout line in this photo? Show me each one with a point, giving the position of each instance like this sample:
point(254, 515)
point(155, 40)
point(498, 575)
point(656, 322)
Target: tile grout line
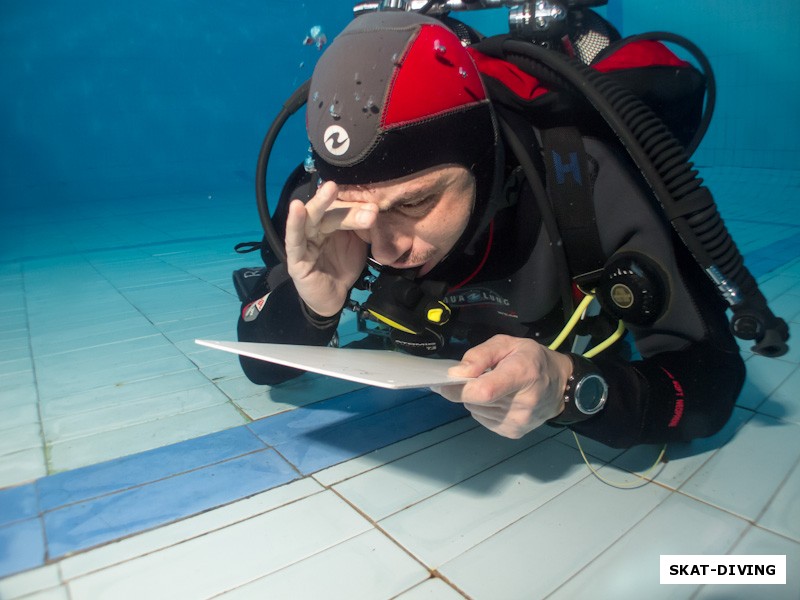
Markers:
point(394, 460)
point(477, 473)
point(45, 452)
point(153, 481)
point(67, 253)
point(437, 575)
point(433, 573)
point(39, 518)
point(50, 559)
point(188, 539)
point(89, 434)
point(613, 542)
point(775, 492)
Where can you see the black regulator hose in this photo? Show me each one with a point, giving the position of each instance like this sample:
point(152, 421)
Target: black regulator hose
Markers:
point(665, 165)
point(295, 102)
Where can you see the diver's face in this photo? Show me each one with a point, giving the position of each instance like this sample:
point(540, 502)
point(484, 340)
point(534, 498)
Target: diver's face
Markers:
point(420, 218)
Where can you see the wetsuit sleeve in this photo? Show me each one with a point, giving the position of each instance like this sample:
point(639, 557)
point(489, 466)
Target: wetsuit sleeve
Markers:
point(281, 317)
point(690, 372)
point(274, 312)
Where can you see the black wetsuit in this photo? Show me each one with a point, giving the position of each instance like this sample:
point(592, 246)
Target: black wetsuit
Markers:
point(687, 374)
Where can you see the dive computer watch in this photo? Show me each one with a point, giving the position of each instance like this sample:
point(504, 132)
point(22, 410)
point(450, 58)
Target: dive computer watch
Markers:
point(585, 394)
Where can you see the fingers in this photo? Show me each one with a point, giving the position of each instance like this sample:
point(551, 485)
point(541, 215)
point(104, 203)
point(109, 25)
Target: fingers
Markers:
point(503, 381)
point(309, 223)
point(503, 366)
point(485, 356)
point(504, 424)
point(497, 370)
point(344, 216)
point(295, 238)
point(326, 214)
point(518, 384)
point(316, 207)
point(486, 389)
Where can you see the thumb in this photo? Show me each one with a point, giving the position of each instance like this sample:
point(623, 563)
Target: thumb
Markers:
point(468, 368)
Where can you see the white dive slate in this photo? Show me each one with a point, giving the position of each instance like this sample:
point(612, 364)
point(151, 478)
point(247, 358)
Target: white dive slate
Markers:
point(381, 368)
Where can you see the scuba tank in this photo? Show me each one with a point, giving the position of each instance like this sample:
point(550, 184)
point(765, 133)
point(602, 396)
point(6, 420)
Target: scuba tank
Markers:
point(552, 41)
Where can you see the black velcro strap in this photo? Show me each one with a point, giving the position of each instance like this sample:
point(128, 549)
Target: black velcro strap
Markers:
point(570, 189)
point(245, 247)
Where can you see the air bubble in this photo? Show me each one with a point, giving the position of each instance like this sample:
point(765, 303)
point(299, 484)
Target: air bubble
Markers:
point(315, 37)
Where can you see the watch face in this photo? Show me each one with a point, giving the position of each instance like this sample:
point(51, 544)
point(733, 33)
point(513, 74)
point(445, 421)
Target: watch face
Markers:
point(590, 394)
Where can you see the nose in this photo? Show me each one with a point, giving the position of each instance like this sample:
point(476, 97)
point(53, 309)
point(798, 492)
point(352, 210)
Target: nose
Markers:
point(389, 243)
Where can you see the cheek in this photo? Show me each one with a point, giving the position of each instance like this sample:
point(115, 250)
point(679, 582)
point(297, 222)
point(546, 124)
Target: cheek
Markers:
point(443, 228)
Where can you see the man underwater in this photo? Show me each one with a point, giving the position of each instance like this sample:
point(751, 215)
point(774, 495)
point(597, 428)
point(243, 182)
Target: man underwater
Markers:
point(418, 178)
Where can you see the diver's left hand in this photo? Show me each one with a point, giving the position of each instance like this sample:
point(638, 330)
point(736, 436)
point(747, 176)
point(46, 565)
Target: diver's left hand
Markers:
point(519, 384)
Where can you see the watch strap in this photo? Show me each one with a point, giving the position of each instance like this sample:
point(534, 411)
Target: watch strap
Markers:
point(581, 368)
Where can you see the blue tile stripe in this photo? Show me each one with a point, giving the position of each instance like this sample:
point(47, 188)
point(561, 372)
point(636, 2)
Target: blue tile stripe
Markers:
point(80, 509)
point(18, 503)
point(139, 469)
point(84, 525)
point(22, 546)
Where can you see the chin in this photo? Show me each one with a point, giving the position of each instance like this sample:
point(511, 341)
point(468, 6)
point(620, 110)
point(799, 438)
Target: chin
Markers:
point(427, 267)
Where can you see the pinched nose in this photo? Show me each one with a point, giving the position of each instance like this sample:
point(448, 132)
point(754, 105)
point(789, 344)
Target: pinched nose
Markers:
point(388, 245)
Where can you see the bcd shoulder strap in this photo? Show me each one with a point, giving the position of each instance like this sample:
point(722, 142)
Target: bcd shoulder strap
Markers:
point(569, 189)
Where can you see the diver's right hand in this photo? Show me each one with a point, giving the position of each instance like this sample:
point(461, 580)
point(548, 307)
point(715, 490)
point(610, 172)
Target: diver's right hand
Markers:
point(324, 255)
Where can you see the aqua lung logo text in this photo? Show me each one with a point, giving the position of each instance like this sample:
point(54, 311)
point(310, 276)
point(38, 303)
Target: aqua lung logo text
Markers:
point(337, 142)
point(480, 296)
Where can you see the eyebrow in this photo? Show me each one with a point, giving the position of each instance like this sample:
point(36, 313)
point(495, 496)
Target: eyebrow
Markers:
point(434, 188)
point(414, 196)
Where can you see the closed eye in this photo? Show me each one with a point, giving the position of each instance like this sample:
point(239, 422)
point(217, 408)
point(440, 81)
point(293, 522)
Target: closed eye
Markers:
point(417, 207)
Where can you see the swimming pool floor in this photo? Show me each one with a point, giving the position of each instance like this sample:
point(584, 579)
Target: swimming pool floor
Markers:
point(136, 464)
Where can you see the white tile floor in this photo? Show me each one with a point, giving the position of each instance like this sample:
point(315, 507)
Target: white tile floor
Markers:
point(99, 308)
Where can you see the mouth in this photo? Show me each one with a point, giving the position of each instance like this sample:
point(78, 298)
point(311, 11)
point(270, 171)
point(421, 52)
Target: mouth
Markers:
point(408, 262)
point(398, 268)
point(419, 261)
point(419, 268)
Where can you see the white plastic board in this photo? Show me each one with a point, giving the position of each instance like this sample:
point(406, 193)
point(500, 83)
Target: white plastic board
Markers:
point(381, 368)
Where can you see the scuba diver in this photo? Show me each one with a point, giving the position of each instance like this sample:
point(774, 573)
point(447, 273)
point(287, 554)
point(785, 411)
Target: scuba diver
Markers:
point(485, 197)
